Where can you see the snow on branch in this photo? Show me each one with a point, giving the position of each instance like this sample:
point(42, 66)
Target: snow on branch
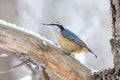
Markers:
point(38, 49)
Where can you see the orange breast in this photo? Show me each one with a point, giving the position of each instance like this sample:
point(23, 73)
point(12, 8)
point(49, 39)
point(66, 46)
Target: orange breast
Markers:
point(69, 45)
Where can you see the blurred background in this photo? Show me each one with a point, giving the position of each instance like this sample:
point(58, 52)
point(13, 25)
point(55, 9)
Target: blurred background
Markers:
point(90, 20)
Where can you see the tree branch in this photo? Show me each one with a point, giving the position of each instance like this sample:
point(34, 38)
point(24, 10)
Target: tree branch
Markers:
point(38, 50)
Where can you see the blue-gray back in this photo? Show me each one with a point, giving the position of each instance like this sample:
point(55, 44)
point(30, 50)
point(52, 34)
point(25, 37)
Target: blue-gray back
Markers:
point(72, 37)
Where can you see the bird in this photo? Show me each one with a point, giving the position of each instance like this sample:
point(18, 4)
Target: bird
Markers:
point(69, 41)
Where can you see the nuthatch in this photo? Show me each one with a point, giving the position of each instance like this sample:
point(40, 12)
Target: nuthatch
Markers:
point(68, 40)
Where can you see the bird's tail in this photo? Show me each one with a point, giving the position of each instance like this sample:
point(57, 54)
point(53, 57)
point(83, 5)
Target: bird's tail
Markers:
point(92, 53)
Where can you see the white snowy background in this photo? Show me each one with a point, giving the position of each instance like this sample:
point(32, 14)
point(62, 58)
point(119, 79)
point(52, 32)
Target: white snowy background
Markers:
point(89, 19)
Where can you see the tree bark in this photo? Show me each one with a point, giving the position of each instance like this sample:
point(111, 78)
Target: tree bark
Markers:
point(42, 53)
point(113, 74)
point(115, 42)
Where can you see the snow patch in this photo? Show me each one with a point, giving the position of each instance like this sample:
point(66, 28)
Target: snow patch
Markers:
point(24, 30)
point(3, 55)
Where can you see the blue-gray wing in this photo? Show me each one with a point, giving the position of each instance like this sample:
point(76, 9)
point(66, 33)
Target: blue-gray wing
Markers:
point(72, 37)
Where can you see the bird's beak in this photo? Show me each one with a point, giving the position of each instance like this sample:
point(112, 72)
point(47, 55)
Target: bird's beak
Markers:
point(46, 24)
